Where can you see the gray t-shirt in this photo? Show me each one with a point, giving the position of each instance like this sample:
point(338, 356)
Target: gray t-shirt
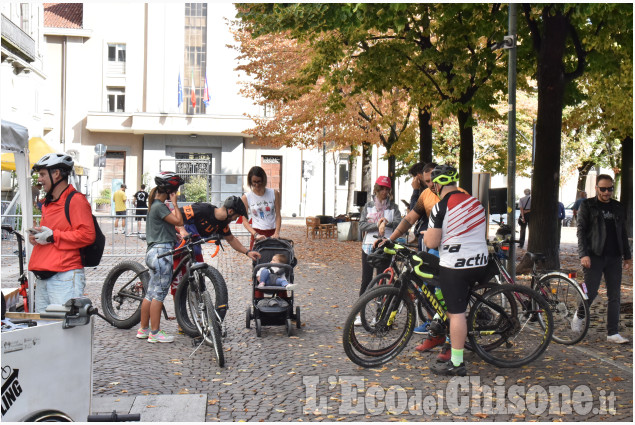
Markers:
point(157, 229)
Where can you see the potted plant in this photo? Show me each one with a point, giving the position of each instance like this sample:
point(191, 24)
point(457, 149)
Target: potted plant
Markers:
point(102, 203)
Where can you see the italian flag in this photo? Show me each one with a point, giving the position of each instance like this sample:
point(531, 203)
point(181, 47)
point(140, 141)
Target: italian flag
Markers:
point(193, 91)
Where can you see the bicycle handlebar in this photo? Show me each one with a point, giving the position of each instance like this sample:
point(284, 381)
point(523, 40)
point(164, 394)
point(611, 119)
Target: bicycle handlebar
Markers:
point(114, 417)
point(216, 238)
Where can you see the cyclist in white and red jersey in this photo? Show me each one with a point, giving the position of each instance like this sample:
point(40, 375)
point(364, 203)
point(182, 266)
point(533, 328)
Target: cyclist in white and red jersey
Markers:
point(457, 230)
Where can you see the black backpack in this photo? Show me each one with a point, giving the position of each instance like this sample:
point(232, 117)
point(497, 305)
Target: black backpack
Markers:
point(91, 254)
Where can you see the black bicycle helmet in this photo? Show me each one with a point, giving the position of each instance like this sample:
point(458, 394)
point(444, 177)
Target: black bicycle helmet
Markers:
point(168, 181)
point(236, 204)
point(444, 174)
point(54, 161)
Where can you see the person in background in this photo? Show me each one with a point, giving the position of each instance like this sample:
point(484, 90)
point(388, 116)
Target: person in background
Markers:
point(602, 245)
point(120, 207)
point(576, 206)
point(378, 218)
point(56, 261)
point(416, 172)
point(141, 204)
point(525, 214)
point(561, 216)
point(160, 237)
point(263, 204)
point(35, 193)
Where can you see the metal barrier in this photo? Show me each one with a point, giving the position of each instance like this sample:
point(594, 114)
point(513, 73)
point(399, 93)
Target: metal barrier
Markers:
point(130, 243)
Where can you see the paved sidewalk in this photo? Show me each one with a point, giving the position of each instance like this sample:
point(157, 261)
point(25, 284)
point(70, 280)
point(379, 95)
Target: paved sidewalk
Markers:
point(308, 377)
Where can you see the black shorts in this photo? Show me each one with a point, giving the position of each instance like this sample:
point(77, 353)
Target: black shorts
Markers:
point(455, 285)
point(141, 212)
point(120, 212)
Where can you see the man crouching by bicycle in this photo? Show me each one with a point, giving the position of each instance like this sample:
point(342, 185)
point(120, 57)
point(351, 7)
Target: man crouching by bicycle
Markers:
point(208, 219)
point(457, 230)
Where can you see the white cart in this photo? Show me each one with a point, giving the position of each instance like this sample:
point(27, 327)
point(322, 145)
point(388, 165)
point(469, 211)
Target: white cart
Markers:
point(46, 371)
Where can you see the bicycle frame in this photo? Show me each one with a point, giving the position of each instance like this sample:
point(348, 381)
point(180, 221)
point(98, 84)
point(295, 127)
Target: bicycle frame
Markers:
point(23, 277)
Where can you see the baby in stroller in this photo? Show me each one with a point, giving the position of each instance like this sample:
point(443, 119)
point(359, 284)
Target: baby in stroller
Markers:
point(274, 276)
point(273, 286)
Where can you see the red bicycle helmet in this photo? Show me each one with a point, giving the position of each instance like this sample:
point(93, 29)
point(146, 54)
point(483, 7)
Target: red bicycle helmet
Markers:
point(168, 180)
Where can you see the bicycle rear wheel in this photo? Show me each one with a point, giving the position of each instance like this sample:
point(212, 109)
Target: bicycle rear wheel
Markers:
point(502, 327)
point(211, 329)
point(122, 293)
point(391, 320)
point(565, 298)
point(184, 300)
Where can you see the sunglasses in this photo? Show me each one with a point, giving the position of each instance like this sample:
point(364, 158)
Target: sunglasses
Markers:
point(604, 189)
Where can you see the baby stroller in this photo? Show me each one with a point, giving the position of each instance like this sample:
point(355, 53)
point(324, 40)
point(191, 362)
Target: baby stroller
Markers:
point(273, 305)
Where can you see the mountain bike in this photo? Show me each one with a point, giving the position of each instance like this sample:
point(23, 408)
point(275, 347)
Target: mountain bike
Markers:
point(498, 320)
point(23, 277)
point(558, 287)
point(200, 302)
point(127, 283)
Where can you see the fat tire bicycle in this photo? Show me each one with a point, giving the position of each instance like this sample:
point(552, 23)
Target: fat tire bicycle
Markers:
point(499, 327)
point(558, 287)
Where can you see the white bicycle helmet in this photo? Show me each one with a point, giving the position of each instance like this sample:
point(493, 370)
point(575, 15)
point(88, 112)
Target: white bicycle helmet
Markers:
point(54, 161)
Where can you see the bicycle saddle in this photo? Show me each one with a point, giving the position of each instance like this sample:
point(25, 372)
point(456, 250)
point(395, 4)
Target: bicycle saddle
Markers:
point(536, 257)
point(198, 266)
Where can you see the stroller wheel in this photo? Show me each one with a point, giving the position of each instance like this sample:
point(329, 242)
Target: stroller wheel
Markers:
point(248, 318)
point(258, 328)
point(289, 327)
point(298, 323)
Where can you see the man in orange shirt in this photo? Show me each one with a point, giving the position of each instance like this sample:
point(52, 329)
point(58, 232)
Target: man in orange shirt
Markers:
point(56, 261)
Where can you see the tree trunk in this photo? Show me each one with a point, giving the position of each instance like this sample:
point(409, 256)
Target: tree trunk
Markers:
point(352, 178)
point(391, 171)
point(627, 182)
point(367, 158)
point(583, 171)
point(543, 226)
point(466, 156)
point(425, 136)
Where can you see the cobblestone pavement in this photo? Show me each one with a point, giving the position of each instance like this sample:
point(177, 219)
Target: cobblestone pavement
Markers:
point(308, 377)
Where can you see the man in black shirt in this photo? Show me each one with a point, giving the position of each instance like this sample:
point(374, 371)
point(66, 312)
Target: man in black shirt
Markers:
point(141, 203)
point(208, 219)
point(602, 244)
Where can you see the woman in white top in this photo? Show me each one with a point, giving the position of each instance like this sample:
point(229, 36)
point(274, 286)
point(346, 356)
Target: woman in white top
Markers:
point(263, 205)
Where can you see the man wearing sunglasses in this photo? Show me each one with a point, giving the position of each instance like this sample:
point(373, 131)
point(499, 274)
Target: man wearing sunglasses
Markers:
point(602, 244)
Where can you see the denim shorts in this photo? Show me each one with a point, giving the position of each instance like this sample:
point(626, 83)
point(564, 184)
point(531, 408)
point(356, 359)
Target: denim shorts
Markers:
point(160, 272)
point(59, 288)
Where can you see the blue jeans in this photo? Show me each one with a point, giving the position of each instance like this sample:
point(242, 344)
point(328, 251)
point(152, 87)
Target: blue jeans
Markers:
point(160, 271)
point(59, 288)
point(271, 279)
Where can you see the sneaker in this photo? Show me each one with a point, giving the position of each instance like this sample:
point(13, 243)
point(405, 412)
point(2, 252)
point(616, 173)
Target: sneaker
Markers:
point(429, 343)
point(617, 339)
point(290, 287)
point(577, 324)
point(358, 321)
point(261, 284)
point(143, 333)
point(445, 354)
point(448, 368)
point(160, 336)
point(422, 329)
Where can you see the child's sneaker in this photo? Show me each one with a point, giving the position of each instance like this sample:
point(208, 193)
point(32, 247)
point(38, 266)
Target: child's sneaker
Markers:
point(160, 336)
point(290, 287)
point(261, 284)
point(143, 333)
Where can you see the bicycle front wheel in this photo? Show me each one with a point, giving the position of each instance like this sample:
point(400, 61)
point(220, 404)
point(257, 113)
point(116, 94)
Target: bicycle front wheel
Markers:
point(504, 328)
point(122, 293)
point(211, 329)
point(186, 301)
point(565, 298)
point(390, 320)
